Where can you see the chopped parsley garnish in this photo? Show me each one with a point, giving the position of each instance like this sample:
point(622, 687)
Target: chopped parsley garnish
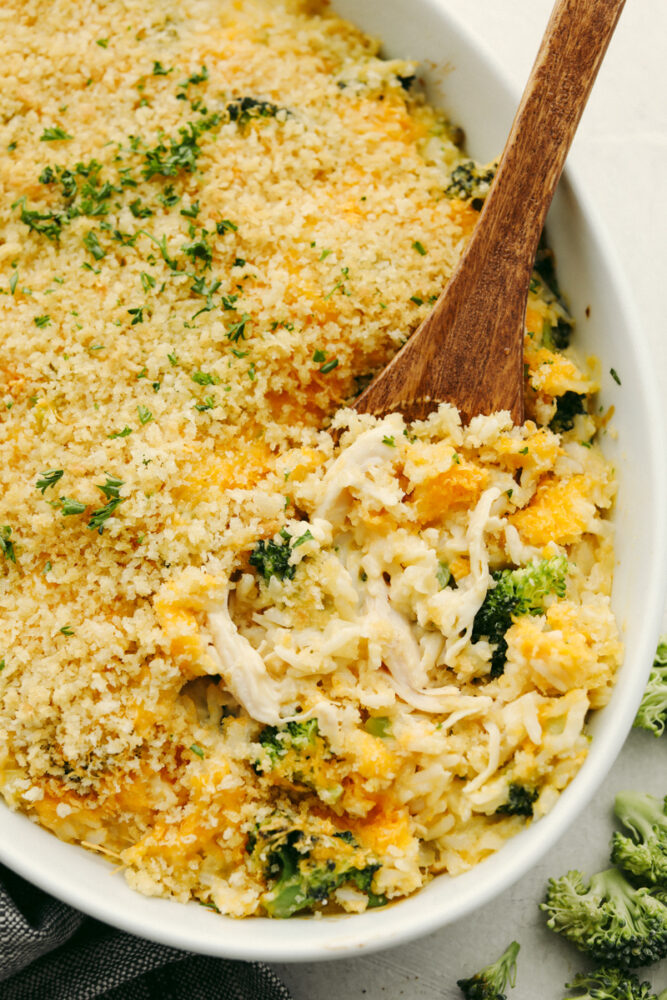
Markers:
point(225, 226)
point(417, 301)
point(92, 243)
point(199, 250)
point(419, 247)
point(305, 537)
point(614, 375)
point(162, 247)
point(236, 331)
point(389, 440)
point(145, 415)
point(228, 301)
point(13, 282)
point(6, 544)
point(198, 77)
point(48, 479)
point(205, 378)
point(111, 490)
point(126, 431)
point(56, 133)
point(208, 404)
point(159, 70)
point(199, 287)
point(329, 366)
point(192, 212)
point(137, 314)
point(42, 321)
point(49, 224)
point(67, 630)
point(173, 360)
point(319, 356)
point(180, 154)
point(68, 506)
point(147, 281)
point(197, 749)
point(169, 196)
point(139, 210)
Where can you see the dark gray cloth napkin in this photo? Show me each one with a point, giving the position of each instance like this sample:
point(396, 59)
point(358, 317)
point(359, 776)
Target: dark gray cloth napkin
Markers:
point(48, 951)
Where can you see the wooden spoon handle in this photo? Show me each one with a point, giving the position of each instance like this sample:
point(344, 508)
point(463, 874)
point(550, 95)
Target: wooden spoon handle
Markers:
point(469, 350)
point(572, 49)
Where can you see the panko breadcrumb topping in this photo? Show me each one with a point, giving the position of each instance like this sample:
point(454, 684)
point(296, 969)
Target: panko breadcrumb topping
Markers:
point(266, 653)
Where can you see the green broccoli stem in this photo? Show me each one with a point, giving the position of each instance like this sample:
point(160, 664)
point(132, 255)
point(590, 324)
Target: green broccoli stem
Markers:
point(615, 887)
point(503, 971)
point(489, 983)
point(642, 814)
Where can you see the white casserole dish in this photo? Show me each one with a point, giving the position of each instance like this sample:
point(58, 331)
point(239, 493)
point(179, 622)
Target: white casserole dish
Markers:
point(460, 77)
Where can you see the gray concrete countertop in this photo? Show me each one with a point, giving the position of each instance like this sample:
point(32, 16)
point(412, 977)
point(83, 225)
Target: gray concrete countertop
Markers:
point(621, 156)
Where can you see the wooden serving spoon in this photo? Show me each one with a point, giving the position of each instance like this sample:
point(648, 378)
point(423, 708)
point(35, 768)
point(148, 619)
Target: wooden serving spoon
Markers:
point(469, 350)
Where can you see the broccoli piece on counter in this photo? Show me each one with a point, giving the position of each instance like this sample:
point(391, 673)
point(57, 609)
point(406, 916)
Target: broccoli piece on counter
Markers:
point(608, 918)
point(644, 852)
point(470, 180)
point(271, 558)
point(516, 592)
point(520, 801)
point(568, 406)
point(491, 981)
point(652, 714)
point(609, 983)
point(305, 869)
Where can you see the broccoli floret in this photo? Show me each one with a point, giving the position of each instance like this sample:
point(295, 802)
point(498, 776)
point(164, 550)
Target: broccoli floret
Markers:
point(271, 558)
point(470, 180)
point(520, 801)
point(608, 918)
point(567, 407)
point(610, 983)
point(491, 981)
point(557, 338)
point(298, 754)
point(277, 740)
point(652, 714)
point(292, 862)
point(544, 280)
point(644, 852)
point(516, 592)
point(243, 109)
